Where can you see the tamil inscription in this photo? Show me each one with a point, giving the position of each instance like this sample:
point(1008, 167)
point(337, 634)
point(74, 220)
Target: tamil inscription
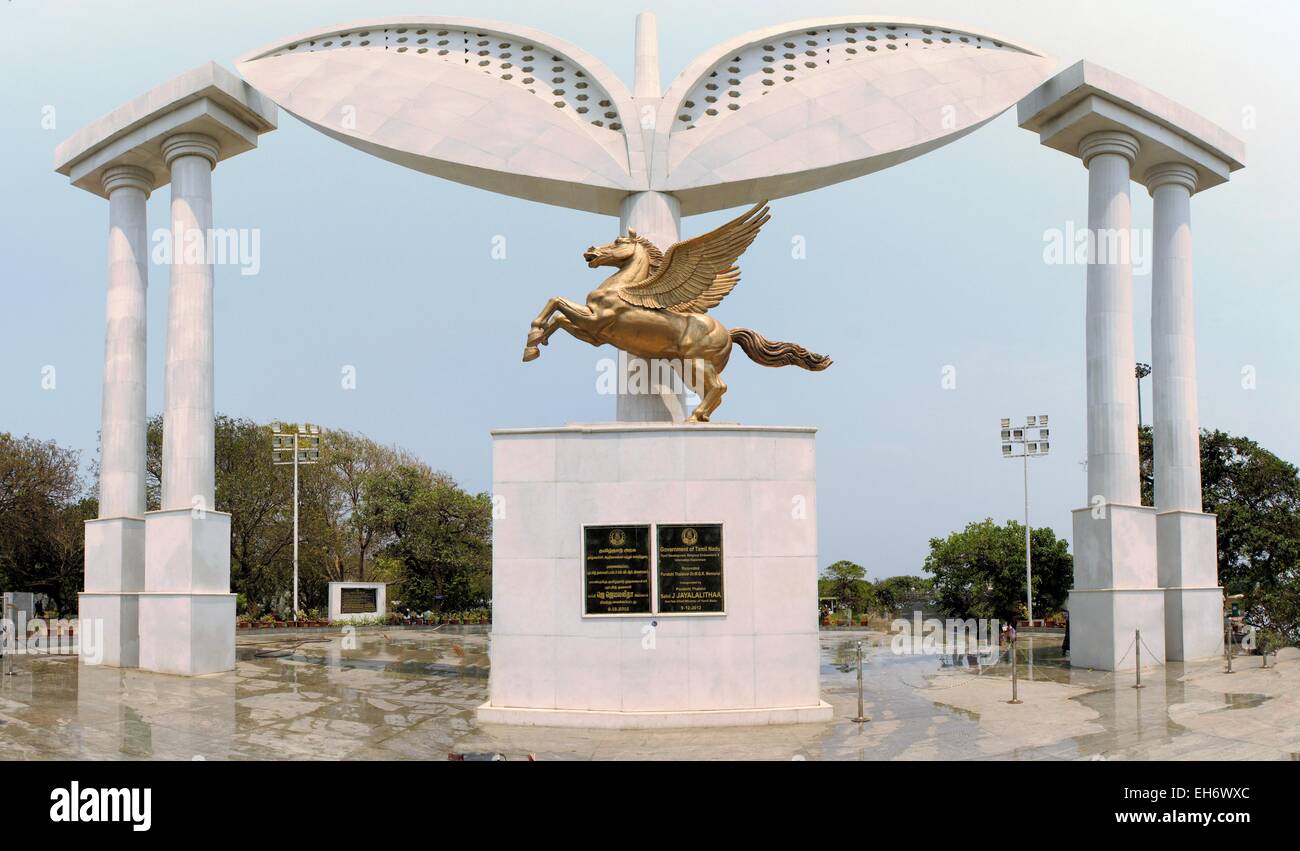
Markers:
point(616, 570)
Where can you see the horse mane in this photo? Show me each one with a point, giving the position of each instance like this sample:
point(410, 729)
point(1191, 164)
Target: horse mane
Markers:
point(656, 256)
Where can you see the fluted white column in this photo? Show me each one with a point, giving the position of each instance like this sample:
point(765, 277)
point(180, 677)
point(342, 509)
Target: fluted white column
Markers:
point(122, 430)
point(1175, 421)
point(188, 474)
point(1112, 391)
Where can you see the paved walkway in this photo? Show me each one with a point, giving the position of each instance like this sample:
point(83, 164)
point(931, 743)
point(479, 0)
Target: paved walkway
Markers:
point(410, 694)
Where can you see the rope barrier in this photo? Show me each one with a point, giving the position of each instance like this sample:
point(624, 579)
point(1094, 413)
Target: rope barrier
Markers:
point(1154, 657)
point(1126, 652)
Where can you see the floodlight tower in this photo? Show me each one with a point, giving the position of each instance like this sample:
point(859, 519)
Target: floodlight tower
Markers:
point(302, 445)
point(1141, 370)
point(1031, 441)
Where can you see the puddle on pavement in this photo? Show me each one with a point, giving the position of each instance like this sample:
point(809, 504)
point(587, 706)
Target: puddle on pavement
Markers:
point(1247, 700)
point(430, 655)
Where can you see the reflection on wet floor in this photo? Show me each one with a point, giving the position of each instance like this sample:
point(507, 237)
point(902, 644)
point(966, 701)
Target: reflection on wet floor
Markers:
point(411, 694)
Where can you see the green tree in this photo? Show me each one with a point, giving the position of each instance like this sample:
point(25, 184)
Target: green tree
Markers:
point(980, 571)
point(847, 582)
point(441, 537)
point(357, 530)
point(43, 506)
point(896, 592)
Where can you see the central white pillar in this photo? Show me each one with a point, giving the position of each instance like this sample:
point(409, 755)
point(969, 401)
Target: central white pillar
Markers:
point(1187, 545)
point(188, 474)
point(643, 396)
point(115, 542)
point(1115, 592)
point(645, 79)
point(1112, 391)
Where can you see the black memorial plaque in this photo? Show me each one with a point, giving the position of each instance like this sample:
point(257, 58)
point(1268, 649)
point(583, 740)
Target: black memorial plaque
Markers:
point(616, 570)
point(690, 569)
point(358, 601)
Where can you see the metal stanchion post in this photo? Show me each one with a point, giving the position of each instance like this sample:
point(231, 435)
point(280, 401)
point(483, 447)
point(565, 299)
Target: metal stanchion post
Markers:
point(1227, 644)
point(1015, 691)
point(1137, 649)
point(862, 718)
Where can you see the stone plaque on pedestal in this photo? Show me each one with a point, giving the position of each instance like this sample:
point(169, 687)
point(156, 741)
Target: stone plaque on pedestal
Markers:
point(616, 570)
point(689, 569)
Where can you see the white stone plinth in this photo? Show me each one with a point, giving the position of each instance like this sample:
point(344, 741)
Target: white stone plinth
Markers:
point(187, 615)
point(1104, 625)
point(336, 600)
point(115, 555)
point(1188, 568)
point(109, 629)
point(187, 551)
point(1115, 591)
point(757, 663)
point(187, 634)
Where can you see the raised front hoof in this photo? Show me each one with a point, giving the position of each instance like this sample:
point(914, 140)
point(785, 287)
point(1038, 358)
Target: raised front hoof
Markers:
point(531, 353)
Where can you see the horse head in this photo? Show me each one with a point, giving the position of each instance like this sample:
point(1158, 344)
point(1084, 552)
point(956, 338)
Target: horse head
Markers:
point(619, 253)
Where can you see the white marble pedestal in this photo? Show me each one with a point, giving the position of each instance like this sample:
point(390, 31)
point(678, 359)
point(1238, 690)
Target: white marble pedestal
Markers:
point(113, 582)
point(1188, 567)
point(1115, 590)
point(187, 613)
point(755, 664)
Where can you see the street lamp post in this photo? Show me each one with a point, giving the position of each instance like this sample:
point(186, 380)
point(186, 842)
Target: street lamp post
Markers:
point(1031, 441)
point(301, 446)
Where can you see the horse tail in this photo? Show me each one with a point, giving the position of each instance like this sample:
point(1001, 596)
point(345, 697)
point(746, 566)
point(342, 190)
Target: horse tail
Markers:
point(769, 353)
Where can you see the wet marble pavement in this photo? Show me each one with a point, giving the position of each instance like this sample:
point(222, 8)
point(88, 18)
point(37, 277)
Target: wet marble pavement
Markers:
point(410, 694)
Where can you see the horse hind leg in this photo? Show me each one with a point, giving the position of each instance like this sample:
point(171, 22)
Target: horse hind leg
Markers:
point(710, 381)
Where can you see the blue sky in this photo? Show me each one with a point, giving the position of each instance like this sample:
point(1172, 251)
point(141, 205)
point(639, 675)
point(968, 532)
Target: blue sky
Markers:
point(934, 263)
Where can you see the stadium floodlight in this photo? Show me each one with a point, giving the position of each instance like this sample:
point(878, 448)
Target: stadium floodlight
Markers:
point(299, 446)
point(1033, 443)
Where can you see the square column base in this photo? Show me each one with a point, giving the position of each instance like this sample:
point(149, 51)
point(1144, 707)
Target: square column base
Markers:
point(187, 634)
point(108, 628)
point(1187, 549)
point(1104, 623)
point(1193, 623)
point(114, 555)
point(187, 613)
point(108, 610)
point(187, 551)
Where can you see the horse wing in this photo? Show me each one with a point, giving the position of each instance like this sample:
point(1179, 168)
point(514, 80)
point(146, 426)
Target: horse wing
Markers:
point(696, 274)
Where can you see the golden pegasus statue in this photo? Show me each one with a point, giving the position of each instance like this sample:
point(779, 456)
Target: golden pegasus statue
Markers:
point(655, 307)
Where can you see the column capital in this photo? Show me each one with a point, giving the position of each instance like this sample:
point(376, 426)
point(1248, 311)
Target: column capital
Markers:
point(190, 145)
point(1109, 142)
point(127, 177)
point(1171, 173)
